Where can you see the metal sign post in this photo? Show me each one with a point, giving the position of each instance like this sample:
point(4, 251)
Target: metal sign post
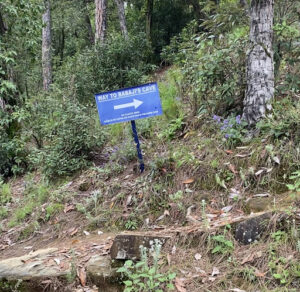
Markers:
point(129, 104)
point(138, 148)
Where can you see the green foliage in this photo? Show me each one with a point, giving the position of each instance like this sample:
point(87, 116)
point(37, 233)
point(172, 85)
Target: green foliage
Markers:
point(13, 154)
point(295, 177)
point(222, 244)
point(5, 193)
point(52, 210)
point(64, 133)
point(131, 224)
point(174, 127)
point(116, 64)
point(284, 121)
point(145, 275)
point(213, 71)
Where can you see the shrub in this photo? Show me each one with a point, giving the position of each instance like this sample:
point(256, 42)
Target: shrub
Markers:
point(13, 155)
point(66, 133)
point(116, 64)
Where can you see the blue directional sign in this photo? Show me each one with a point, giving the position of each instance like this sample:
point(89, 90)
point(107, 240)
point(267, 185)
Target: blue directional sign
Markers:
point(129, 104)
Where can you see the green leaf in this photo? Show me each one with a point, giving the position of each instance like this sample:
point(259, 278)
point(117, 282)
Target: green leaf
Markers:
point(277, 276)
point(172, 276)
point(128, 283)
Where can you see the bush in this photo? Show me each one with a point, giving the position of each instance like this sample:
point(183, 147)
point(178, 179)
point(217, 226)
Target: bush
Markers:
point(66, 133)
point(116, 64)
point(213, 69)
point(13, 155)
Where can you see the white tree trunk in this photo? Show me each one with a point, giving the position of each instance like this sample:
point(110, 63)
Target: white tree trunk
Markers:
point(46, 47)
point(121, 13)
point(100, 20)
point(260, 65)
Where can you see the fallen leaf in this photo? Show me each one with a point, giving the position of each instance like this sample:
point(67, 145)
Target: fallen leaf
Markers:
point(169, 259)
point(276, 159)
point(28, 247)
point(259, 172)
point(188, 181)
point(262, 195)
point(99, 232)
point(259, 274)
point(215, 271)
point(212, 279)
point(237, 290)
point(57, 261)
point(86, 232)
point(69, 208)
point(232, 168)
point(244, 155)
point(228, 151)
point(198, 256)
point(248, 258)
point(202, 272)
point(173, 250)
point(128, 201)
point(46, 282)
point(179, 284)
point(72, 231)
point(82, 276)
point(227, 209)
point(75, 241)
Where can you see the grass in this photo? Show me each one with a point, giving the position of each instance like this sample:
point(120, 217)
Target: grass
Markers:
point(5, 193)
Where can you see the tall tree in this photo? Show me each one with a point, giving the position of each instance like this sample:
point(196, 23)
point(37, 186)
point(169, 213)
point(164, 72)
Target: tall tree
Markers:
point(100, 20)
point(121, 13)
point(149, 13)
point(46, 47)
point(260, 65)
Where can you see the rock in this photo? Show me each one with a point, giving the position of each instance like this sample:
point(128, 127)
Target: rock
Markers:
point(83, 187)
point(127, 246)
point(101, 273)
point(256, 205)
point(252, 229)
point(30, 266)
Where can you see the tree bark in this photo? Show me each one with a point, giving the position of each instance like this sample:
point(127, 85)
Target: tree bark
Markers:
point(3, 27)
point(100, 20)
point(149, 12)
point(260, 63)
point(46, 47)
point(88, 22)
point(122, 19)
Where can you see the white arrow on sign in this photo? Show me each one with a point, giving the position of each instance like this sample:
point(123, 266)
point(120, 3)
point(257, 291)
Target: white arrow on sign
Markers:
point(136, 103)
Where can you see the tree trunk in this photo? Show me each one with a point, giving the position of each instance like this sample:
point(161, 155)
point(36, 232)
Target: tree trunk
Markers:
point(197, 10)
point(88, 22)
point(149, 12)
point(260, 65)
point(46, 47)
point(3, 27)
point(121, 13)
point(100, 20)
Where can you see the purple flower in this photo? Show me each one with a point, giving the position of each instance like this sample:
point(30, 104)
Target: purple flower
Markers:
point(227, 136)
point(238, 119)
point(224, 127)
point(217, 119)
point(226, 122)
